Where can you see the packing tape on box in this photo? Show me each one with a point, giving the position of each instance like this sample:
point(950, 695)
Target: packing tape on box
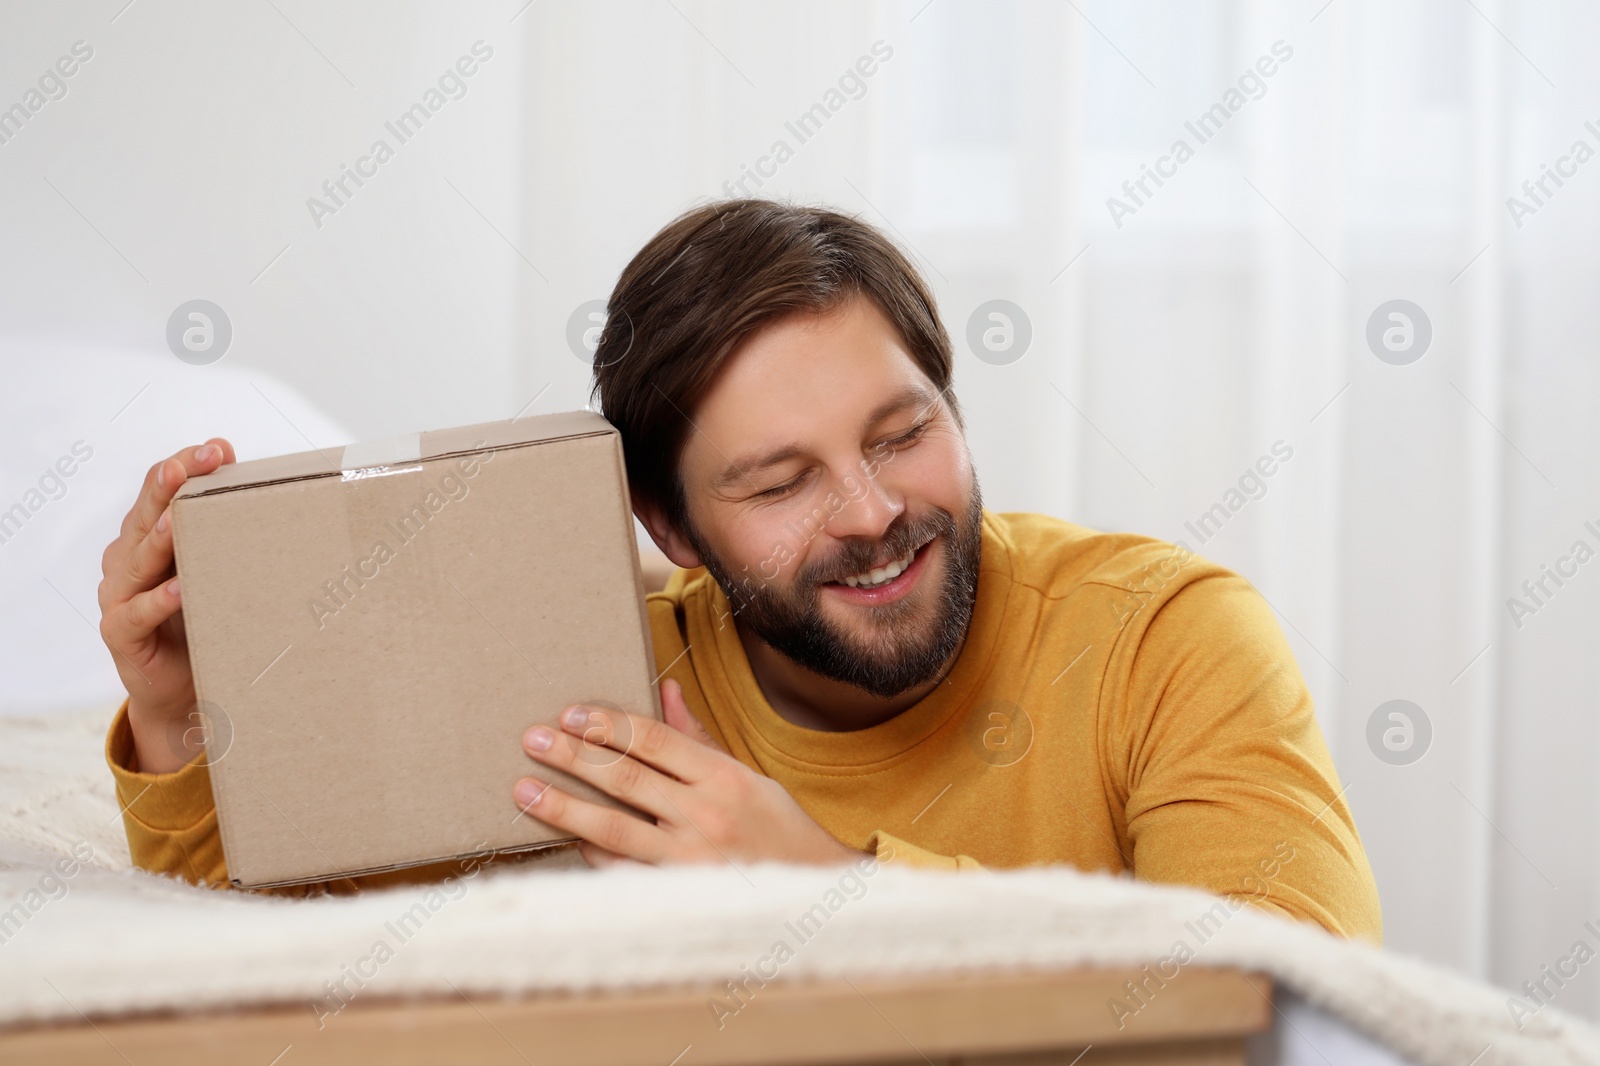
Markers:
point(378, 458)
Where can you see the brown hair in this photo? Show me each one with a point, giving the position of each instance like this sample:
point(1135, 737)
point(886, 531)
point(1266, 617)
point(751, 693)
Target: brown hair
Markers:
point(706, 283)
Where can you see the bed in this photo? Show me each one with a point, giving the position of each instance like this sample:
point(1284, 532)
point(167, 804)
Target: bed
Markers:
point(547, 962)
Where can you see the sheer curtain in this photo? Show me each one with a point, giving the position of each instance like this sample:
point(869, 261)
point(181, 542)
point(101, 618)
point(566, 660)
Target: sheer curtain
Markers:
point(1200, 331)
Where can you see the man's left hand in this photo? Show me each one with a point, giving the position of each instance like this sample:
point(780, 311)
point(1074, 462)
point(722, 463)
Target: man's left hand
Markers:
point(708, 806)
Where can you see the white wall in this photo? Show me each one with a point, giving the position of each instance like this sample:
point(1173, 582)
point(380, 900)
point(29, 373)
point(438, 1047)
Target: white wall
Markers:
point(191, 142)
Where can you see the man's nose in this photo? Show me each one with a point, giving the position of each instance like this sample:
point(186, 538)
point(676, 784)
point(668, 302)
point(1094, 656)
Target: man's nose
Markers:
point(868, 511)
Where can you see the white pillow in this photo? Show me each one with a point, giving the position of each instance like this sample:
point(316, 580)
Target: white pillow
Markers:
point(124, 409)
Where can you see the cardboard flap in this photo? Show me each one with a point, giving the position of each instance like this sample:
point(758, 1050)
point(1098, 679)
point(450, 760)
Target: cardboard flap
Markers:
point(331, 462)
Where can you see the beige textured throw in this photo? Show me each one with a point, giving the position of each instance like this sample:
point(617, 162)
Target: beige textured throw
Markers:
point(111, 940)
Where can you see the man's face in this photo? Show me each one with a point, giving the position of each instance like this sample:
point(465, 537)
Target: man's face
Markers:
point(831, 495)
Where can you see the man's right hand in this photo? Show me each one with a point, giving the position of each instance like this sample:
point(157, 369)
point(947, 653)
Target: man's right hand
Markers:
point(141, 621)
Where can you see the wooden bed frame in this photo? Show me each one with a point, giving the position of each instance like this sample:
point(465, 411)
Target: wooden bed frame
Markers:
point(1060, 1018)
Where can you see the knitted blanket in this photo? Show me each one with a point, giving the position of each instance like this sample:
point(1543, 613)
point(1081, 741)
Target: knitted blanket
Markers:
point(81, 931)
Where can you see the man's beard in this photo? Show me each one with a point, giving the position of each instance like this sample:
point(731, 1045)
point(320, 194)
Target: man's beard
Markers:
point(901, 655)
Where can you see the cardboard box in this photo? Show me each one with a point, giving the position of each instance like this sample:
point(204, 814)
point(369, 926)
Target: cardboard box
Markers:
point(372, 630)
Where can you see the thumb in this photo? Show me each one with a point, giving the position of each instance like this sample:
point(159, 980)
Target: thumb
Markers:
point(677, 715)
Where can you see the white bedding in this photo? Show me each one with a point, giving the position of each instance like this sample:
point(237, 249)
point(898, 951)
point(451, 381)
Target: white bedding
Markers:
point(110, 939)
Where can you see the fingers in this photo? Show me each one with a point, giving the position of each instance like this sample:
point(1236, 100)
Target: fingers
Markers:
point(147, 565)
point(164, 479)
point(678, 716)
point(127, 625)
point(645, 739)
point(590, 750)
point(636, 759)
point(613, 831)
point(161, 483)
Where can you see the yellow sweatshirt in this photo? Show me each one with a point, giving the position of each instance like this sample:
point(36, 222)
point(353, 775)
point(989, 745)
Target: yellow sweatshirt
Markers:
point(1120, 704)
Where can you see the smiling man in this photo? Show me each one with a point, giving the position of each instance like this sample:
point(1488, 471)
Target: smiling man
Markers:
point(860, 659)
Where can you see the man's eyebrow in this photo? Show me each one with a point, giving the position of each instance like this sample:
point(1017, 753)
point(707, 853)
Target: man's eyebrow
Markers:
point(741, 469)
point(910, 396)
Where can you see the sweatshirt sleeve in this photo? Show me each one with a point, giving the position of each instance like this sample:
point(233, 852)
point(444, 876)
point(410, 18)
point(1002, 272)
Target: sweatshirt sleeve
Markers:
point(171, 822)
point(1229, 785)
point(892, 850)
point(170, 819)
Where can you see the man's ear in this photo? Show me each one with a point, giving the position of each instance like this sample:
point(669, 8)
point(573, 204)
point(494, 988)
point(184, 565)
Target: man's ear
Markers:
point(672, 543)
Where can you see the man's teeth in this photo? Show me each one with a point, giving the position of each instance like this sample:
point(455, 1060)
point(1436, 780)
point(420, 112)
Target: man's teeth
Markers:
point(882, 574)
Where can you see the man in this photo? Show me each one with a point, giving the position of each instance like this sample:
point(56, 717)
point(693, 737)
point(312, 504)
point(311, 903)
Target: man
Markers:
point(859, 657)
